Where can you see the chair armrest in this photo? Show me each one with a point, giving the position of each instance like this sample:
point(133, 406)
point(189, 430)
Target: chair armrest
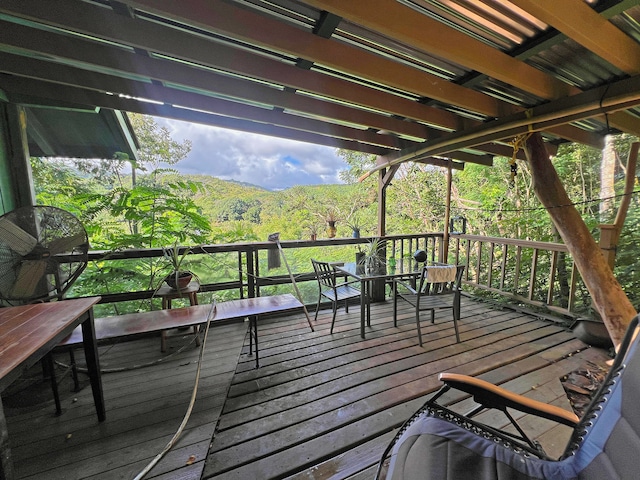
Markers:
point(492, 396)
point(399, 281)
point(350, 282)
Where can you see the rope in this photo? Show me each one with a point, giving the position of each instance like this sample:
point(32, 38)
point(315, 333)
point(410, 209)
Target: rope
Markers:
point(131, 367)
point(275, 237)
point(518, 143)
point(172, 442)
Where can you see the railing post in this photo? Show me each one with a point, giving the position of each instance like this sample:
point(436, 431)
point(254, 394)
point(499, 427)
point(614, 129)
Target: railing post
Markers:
point(251, 273)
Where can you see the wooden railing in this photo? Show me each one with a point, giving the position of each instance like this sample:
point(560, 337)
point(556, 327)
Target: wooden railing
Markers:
point(541, 274)
point(236, 270)
point(523, 272)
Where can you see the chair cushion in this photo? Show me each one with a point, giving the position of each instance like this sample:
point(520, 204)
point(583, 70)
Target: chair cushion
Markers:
point(441, 273)
point(434, 448)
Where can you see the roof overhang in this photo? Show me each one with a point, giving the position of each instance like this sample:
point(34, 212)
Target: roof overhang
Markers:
point(401, 79)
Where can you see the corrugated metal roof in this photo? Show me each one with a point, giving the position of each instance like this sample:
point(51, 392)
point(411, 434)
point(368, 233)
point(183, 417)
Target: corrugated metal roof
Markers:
point(390, 77)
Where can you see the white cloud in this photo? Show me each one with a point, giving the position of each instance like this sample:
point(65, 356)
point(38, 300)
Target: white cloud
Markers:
point(269, 162)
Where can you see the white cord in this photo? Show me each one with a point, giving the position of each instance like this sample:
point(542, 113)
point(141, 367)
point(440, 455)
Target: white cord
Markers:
point(172, 442)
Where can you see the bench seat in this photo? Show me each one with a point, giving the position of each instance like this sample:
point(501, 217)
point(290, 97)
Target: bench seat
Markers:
point(134, 324)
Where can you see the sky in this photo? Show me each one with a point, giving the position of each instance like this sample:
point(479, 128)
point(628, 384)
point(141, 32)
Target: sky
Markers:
point(270, 162)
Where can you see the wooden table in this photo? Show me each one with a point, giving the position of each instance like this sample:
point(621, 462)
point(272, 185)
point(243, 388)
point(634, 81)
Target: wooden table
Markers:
point(27, 334)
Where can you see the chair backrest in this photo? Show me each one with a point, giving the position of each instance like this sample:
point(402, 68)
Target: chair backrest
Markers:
point(449, 283)
point(325, 274)
point(606, 442)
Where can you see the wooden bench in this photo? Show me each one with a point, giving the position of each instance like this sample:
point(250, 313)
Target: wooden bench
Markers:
point(135, 324)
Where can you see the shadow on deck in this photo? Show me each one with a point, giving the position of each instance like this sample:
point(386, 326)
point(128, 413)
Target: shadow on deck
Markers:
point(321, 406)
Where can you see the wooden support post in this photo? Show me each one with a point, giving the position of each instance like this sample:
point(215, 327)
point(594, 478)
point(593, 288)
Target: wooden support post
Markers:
point(447, 217)
point(608, 297)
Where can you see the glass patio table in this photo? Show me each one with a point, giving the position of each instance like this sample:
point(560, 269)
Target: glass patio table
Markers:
point(404, 268)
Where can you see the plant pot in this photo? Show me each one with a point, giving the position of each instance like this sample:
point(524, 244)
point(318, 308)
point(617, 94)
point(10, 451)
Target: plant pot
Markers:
point(356, 233)
point(331, 229)
point(178, 280)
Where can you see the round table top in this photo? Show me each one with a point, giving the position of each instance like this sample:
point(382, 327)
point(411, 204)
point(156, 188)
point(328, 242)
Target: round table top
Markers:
point(166, 291)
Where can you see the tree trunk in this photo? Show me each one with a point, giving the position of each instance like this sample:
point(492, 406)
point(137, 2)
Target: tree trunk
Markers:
point(607, 294)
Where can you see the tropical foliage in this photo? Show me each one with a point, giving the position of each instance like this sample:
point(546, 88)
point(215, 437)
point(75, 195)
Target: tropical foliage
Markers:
point(148, 204)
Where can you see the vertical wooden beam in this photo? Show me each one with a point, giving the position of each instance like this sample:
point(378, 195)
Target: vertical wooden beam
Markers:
point(532, 277)
point(492, 257)
point(552, 276)
point(447, 217)
point(382, 204)
point(503, 267)
point(19, 159)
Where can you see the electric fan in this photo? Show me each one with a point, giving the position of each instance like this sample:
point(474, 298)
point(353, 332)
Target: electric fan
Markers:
point(43, 250)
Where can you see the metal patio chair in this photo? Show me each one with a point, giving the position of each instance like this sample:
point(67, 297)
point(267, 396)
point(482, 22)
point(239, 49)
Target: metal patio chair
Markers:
point(330, 288)
point(437, 443)
point(438, 288)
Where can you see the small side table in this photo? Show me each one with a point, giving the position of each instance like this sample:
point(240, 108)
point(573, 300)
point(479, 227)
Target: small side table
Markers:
point(166, 293)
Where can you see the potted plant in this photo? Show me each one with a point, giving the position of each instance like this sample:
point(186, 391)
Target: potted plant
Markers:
point(313, 231)
point(331, 218)
point(355, 224)
point(175, 255)
point(373, 254)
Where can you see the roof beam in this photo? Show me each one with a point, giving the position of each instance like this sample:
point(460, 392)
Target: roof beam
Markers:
point(616, 96)
point(218, 16)
point(150, 36)
point(138, 66)
point(578, 21)
point(31, 68)
point(179, 98)
point(402, 23)
point(242, 24)
point(169, 111)
point(408, 26)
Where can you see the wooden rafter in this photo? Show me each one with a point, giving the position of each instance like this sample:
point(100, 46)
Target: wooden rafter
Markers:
point(402, 23)
point(578, 21)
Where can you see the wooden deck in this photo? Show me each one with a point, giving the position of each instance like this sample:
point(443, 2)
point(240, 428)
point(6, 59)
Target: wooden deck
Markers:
point(321, 406)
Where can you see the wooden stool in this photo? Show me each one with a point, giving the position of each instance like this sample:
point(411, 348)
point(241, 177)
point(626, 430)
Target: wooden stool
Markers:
point(167, 294)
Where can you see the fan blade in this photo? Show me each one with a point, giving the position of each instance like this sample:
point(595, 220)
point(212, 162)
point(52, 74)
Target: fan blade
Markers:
point(15, 237)
point(29, 275)
point(66, 244)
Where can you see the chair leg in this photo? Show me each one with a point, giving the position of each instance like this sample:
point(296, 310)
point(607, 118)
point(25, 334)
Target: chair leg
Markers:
point(315, 319)
point(395, 309)
point(455, 326)
point(74, 370)
point(48, 366)
point(418, 326)
point(335, 310)
point(346, 306)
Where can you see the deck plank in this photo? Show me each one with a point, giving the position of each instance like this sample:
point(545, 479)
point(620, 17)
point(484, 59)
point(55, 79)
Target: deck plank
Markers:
point(321, 406)
point(144, 408)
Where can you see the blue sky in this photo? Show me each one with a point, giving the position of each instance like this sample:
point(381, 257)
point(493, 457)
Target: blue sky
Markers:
point(269, 162)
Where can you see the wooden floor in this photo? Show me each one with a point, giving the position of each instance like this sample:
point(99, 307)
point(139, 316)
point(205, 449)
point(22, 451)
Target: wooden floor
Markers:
point(320, 406)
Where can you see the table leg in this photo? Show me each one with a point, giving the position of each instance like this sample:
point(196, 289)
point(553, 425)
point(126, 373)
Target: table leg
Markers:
point(93, 364)
point(369, 288)
point(253, 333)
point(363, 305)
point(6, 465)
